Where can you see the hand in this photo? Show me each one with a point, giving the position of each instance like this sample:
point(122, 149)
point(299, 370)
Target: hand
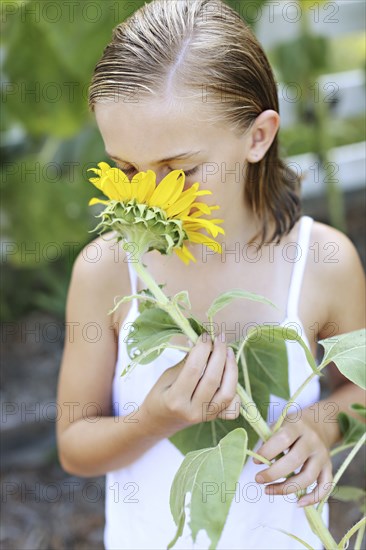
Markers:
point(200, 388)
point(306, 448)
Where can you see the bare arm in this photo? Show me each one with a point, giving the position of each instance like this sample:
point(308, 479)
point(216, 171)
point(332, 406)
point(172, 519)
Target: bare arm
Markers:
point(308, 439)
point(345, 284)
point(91, 441)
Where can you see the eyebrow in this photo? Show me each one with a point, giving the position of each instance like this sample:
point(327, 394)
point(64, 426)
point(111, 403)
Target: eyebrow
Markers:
point(179, 156)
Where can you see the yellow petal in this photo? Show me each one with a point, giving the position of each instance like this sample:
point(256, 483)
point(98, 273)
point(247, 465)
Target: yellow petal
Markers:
point(97, 182)
point(198, 223)
point(116, 185)
point(203, 239)
point(186, 199)
point(201, 206)
point(143, 185)
point(203, 192)
point(104, 166)
point(184, 254)
point(198, 213)
point(168, 190)
point(96, 201)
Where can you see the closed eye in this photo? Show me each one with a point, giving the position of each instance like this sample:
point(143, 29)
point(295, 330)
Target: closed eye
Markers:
point(129, 171)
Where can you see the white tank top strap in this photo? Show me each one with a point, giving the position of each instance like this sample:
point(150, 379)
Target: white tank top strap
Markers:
point(298, 269)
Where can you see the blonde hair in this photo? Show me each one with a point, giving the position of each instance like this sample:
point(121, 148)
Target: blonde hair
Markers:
point(203, 50)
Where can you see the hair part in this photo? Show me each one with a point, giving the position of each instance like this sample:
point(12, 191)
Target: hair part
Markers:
point(203, 51)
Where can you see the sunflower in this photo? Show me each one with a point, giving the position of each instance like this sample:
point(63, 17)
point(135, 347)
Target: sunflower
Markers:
point(159, 217)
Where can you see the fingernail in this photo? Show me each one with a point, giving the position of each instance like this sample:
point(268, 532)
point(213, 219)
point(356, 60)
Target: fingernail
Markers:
point(230, 353)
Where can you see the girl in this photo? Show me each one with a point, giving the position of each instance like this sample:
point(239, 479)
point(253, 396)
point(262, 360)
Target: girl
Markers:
point(184, 84)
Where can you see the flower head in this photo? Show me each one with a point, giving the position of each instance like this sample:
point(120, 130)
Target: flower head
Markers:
point(159, 217)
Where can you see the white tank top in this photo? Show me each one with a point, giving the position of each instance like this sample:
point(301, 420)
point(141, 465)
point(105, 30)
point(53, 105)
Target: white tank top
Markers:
point(137, 511)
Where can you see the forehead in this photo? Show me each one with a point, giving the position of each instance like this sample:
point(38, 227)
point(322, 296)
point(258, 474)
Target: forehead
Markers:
point(151, 129)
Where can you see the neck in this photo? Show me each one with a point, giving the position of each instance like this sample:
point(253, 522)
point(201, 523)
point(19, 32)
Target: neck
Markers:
point(240, 226)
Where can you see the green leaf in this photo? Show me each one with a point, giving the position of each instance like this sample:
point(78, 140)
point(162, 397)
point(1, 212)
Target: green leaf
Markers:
point(266, 358)
point(152, 328)
point(206, 474)
point(182, 298)
point(360, 409)
point(347, 351)
point(149, 301)
point(147, 298)
point(351, 428)
point(208, 434)
point(290, 334)
point(226, 297)
point(347, 493)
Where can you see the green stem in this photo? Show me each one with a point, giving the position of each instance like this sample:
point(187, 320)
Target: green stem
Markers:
point(360, 527)
point(317, 526)
point(251, 413)
point(360, 534)
point(255, 419)
point(164, 302)
point(259, 457)
point(246, 375)
point(314, 518)
point(292, 400)
point(240, 356)
point(211, 328)
point(340, 448)
point(342, 468)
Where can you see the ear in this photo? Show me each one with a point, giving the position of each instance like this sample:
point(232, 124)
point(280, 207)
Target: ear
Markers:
point(262, 133)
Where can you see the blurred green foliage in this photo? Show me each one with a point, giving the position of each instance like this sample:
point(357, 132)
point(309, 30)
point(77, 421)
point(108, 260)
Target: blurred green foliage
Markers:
point(49, 57)
point(49, 138)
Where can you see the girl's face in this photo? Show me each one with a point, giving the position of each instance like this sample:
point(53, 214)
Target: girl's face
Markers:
point(156, 136)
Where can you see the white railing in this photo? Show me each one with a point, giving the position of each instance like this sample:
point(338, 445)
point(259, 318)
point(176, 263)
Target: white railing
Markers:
point(347, 168)
point(280, 22)
point(345, 90)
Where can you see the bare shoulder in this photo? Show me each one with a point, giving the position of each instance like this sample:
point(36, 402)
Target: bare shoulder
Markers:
point(91, 346)
point(101, 270)
point(338, 274)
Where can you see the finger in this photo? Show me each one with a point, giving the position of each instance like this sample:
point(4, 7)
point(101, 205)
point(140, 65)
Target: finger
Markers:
point(284, 465)
point(323, 487)
point(191, 372)
point(171, 374)
point(232, 411)
point(309, 473)
point(225, 396)
point(212, 376)
point(278, 442)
